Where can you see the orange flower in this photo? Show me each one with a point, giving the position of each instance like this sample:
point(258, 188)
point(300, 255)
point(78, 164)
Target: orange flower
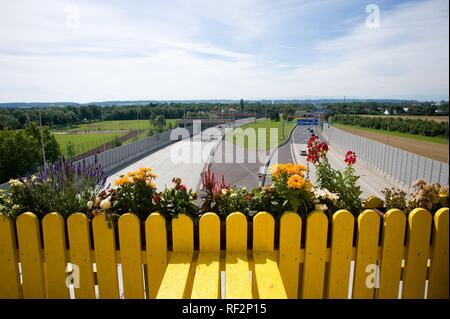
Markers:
point(296, 181)
point(122, 180)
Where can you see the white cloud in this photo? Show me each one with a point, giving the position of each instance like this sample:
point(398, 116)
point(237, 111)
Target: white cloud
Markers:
point(163, 54)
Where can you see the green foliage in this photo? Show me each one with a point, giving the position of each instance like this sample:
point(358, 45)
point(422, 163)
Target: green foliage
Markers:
point(396, 124)
point(177, 200)
point(135, 193)
point(60, 187)
point(116, 142)
point(19, 154)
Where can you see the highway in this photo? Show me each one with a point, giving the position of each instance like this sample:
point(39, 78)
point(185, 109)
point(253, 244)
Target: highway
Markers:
point(371, 182)
point(185, 159)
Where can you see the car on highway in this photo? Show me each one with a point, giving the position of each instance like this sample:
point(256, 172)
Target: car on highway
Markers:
point(303, 153)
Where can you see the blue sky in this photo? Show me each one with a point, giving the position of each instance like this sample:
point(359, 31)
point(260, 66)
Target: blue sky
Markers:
point(84, 51)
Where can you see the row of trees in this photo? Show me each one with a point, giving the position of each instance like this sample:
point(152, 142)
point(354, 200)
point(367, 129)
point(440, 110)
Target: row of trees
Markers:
point(21, 150)
point(397, 124)
point(378, 108)
point(65, 116)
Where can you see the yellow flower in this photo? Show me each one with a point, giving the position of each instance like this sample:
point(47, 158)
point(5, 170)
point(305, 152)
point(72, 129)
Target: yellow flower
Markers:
point(144, 170)
point(296, 181)
point(152, 185)
point(152, 175)
point(308, 185)
point(122, 180)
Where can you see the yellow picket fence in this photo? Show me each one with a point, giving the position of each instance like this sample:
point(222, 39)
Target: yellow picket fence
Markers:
point(409, 250)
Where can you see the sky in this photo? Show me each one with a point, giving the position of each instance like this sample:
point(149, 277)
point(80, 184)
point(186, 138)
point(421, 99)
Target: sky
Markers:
point(85, 51)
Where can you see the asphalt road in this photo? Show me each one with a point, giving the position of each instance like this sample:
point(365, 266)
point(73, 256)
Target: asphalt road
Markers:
point(185, 159)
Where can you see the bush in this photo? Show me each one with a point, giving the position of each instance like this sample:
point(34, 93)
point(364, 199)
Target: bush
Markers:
point(61, 187)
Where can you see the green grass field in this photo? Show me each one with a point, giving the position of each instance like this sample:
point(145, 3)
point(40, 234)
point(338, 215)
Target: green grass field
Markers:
point(84, 142)
point(114, 125)
point(241, 137)
point(438, 140)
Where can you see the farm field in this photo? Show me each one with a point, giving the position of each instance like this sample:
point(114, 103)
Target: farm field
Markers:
point(438, 119)
point(240, 139)
point(83, 142)
point(432, 147)
point(125, 125)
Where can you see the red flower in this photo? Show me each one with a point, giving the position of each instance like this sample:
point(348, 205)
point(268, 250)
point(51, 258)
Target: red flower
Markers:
point(183, 187)
point(156, 199)
point(248, 198)
point(350, 158)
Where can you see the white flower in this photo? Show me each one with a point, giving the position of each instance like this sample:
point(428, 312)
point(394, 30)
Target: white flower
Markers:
point(243, 188)
point(90, 204)
point(15, 182)
point(33, 178)
point(105, 204)
point(321, 207)
point(234, 195)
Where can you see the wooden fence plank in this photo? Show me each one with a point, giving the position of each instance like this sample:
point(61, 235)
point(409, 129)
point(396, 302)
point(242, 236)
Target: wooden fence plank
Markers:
point(366, 255)
point(53, 228)
point(341, 254)
point(439, 268)
point(267, 275)
point(30, 251)
point(105, 258)
point(289, 255)
point(418, 244)
point(394, 226)
point(207, 276)
point(175, 282)
point(315, 255)
point(10, 287)
point(80, 254)
point(130, 256)
point(156, 243)
point(237, 284)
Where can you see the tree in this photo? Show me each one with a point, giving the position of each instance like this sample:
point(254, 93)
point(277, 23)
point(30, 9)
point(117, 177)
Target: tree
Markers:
point(19, 154)
point(51, 146)
point(241, 105)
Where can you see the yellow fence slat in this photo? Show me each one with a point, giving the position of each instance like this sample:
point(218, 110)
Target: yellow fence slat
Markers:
point(80, 254)
point(394, 225)
point(439, 268)
point(417, 247)
point(9, 275)
point(366, 255)
point(130, 256)
point(209, 233)
point(207, 275)
point(289, 252)
point(315, 255)
point(156, 243)
point(53, 228)
point(267, 275)
point(237, 283)
point(175, 282)
point(341, 254)
point(105, 258)
point(263, 232)
point(30, 251)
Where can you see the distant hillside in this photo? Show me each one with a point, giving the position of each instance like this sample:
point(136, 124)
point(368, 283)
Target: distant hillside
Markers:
point(222, 101)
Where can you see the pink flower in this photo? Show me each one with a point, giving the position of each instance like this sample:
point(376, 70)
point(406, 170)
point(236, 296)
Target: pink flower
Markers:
point(183, 187)
point(350, 158)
